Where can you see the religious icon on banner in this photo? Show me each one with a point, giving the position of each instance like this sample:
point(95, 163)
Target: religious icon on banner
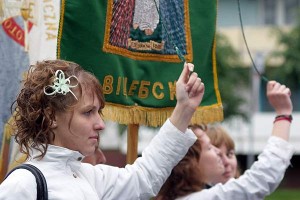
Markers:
point(148, 29)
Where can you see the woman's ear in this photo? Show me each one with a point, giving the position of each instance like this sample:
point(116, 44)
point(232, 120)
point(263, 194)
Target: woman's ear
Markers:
point(53, 124)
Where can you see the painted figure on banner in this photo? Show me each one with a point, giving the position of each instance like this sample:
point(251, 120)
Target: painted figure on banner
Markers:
point(146, 17)
point(147, 26)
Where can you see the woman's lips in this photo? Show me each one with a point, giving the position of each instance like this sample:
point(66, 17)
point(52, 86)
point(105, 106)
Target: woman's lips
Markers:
point(94, 137)
point(227, 174)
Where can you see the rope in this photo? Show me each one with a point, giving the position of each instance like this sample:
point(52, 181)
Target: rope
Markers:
point(249, 53)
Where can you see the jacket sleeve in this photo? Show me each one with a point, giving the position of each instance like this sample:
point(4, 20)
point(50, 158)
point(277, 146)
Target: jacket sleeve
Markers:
point(259, 181)
point(144, 178)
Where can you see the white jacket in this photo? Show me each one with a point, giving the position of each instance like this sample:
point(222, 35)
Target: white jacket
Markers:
point(256, 183)
point(68, 178)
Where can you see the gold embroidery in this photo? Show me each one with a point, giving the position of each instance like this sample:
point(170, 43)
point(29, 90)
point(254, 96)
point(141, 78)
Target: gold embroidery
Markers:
point(140, 88)
point(133, 87)
point(144, 91)
point(107, 84)
point(155, 94)
point(172, 87)
point(152, 45)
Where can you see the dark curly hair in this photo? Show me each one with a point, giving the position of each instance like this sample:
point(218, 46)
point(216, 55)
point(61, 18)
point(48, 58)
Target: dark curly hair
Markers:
point(35, 111)
point(185, 177)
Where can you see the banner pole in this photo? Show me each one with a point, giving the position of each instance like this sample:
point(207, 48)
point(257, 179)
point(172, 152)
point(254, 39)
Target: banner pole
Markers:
point(132, 142)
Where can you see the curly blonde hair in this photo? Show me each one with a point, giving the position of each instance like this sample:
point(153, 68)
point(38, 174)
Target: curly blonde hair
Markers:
point(35, 111)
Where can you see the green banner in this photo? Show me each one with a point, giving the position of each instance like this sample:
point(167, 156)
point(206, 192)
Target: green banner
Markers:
point(129, 46)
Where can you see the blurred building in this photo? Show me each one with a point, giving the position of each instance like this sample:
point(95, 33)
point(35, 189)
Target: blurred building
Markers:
point(259, 17)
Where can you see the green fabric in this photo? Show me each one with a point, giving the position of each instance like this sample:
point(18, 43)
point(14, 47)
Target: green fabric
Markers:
point(83, 26)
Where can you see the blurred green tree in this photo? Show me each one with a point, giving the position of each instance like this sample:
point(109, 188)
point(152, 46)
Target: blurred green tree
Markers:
point(287, 70)
point(233, 78)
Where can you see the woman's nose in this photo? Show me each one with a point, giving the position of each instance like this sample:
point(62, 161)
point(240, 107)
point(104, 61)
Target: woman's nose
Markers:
point(225, 159)
point(99, 125)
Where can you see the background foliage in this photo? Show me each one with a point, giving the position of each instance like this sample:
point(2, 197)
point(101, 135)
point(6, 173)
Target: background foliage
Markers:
point(234, 78)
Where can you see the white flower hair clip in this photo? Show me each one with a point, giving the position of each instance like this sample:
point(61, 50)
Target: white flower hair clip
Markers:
point(61, 85)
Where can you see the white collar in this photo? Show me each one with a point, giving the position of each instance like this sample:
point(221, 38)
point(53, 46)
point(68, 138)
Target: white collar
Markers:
point(59, 157)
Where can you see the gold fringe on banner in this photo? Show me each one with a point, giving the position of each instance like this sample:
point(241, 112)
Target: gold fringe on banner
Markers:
point(157, 116)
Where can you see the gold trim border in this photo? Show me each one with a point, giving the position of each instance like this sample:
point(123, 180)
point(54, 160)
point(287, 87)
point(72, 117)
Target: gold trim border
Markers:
point(60, 30)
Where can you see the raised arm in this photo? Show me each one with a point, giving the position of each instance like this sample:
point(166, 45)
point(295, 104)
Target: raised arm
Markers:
point(279, 98)
point(144, 178)
point(265, 175)
point(189, 93)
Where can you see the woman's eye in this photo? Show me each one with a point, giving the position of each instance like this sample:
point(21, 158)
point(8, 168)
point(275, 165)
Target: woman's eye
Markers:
point(88, 112)
point(230, 154)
